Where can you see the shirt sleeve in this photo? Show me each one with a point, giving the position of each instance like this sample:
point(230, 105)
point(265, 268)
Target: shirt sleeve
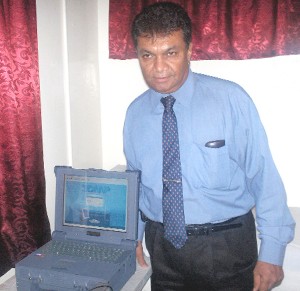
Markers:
point(275, 224)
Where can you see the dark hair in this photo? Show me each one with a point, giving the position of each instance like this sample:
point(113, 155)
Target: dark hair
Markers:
point(162, 18)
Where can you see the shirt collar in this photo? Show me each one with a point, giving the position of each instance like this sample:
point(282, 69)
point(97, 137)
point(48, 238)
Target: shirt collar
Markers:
point(183, 95)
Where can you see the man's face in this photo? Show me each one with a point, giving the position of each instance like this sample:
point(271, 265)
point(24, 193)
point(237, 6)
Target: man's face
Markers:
point(164, 60)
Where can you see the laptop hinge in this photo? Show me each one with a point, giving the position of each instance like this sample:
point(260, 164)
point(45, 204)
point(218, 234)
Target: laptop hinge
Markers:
point(59, 234)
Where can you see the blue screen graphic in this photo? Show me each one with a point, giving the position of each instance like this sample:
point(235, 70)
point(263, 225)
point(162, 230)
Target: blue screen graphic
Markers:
point(95, 202)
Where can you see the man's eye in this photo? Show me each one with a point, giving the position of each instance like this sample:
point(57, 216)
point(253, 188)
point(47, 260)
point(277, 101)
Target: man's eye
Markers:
point(146, 56)
point(171, 53)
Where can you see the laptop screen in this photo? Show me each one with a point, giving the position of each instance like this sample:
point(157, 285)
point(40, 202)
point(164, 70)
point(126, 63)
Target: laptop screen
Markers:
point(96, 203)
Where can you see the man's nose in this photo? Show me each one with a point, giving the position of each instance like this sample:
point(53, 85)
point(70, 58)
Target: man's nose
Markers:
point(160, 64)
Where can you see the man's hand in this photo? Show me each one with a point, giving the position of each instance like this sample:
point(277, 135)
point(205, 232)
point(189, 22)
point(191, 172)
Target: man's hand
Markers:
point(140, 255)
point(267, 276)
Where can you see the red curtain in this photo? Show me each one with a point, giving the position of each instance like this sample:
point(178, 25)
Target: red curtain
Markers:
point(24, 224)
point(227, 29)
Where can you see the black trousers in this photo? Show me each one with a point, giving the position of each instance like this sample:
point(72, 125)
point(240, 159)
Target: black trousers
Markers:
point(219, 261)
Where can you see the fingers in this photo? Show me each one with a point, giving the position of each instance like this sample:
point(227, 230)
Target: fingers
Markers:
point(267, 276)
point(140, 255)
point(256, 282)
point(260, 284)
point(141, 261)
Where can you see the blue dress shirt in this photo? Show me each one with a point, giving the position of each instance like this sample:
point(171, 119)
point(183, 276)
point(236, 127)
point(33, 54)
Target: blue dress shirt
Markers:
point(218, 182)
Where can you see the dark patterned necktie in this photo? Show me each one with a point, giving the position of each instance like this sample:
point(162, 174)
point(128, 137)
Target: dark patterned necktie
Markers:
point(173, 210)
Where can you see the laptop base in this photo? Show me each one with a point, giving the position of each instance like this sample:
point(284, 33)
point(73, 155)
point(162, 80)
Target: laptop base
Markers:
point(34, 278)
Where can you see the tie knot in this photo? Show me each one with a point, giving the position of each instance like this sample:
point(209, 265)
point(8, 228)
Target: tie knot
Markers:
point(168, 102)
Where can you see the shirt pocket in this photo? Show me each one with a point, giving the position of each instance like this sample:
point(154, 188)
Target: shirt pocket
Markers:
point(211, 166)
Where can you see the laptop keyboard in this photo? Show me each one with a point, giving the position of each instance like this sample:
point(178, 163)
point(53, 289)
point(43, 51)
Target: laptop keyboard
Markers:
point(89, 251)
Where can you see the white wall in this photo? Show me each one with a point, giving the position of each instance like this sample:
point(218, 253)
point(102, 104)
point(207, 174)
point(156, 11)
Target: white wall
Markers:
point(69, 81)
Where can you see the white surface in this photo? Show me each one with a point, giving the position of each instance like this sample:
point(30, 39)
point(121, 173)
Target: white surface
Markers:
point(291, 281)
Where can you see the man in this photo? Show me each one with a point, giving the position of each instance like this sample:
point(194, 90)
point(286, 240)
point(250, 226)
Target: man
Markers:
point(225, 167)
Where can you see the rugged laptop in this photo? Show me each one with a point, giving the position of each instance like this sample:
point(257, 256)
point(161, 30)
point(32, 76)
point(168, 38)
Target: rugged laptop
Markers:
point(94, 241)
